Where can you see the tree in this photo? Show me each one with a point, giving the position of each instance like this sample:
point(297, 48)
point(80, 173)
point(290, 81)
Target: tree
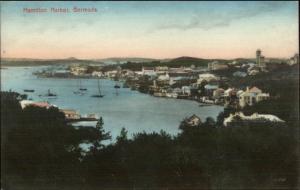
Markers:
point(210, 122)
point(123, 135)
point(100, 124)
point(101, 135)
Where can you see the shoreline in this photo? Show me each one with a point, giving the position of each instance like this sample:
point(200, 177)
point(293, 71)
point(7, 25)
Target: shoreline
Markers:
point(202, 104)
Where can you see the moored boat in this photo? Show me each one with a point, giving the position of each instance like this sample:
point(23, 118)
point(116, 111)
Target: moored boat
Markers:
point(28, 90)
point(99, 95)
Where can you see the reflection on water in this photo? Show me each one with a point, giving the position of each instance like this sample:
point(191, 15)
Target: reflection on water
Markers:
point(135, 111)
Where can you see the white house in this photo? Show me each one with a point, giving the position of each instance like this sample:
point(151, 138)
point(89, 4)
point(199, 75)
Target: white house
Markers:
point(162, 68)
point(218, 93)
point(193, 120)
point(70, 113)
point(25, 103)
point(111, 74)
point(150, 71)
point(215, 65)
point(251, 96)
point(97, 74)
point(207, 77)
point(174, 80)
point(186, 90)
point(164, 77)
point(252, 118)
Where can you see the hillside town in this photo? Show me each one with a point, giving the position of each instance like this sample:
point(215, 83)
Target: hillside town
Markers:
point(210, 85)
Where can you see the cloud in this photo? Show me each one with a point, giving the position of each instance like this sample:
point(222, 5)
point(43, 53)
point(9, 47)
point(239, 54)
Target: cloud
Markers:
point(216, 18)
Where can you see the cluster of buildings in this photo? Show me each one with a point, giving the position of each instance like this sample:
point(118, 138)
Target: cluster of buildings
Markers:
point(195, 83)
point(233, 96)
point(215, 65)
point(78, 70)
point(203, 87)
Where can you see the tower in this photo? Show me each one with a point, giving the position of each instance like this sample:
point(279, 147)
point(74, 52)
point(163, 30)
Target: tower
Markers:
point(296, 58)
point(258, 57)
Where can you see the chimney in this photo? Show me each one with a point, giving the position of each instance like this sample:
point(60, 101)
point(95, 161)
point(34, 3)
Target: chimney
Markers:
point(247, 89)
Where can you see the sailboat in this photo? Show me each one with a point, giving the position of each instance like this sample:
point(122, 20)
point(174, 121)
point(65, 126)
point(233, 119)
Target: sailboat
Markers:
point(80, 87)
point(49, 94)
point(98, 95)
point(117, 86)
point(28, 90)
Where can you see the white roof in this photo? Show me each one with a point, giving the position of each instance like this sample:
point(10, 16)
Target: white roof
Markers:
point(264, 94)
point(239, 92)
point(24, 103)
point(164, 77)
point(269, 117)
point(253, 117)
point(228, 90)
point(207, 75)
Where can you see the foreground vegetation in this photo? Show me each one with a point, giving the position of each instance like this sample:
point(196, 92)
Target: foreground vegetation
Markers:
point(40, 151)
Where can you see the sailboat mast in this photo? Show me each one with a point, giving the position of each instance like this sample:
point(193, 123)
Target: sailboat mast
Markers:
point(99, 87)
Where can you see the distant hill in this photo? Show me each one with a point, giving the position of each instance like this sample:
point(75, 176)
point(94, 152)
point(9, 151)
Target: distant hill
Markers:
point(40, 62)
point(133, 61)
point(175, 62)
point(189, 61)
point(126, 59)
point(72, 58)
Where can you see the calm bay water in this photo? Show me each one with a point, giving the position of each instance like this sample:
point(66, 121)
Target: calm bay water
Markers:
point(135, 111)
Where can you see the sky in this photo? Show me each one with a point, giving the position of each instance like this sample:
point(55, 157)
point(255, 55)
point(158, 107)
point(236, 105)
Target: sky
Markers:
point(231, 29)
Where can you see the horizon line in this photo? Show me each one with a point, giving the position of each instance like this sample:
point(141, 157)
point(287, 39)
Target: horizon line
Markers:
point(139, 58)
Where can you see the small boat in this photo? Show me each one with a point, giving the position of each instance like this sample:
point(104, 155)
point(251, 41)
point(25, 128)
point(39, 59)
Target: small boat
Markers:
point(28, 90)
point(204, 105)
point(80, 86)
point(79, 93)
point(80, 90)
point(117, 86)
point(98, 95)
point(50, 94)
